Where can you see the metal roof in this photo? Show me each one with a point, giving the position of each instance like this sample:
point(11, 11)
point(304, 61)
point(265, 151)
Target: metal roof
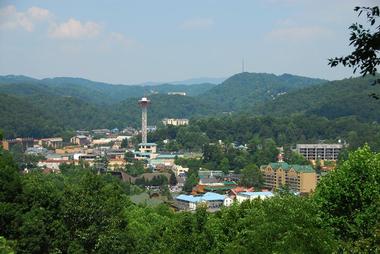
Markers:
point(147, 144)
point(256, 194)
point(208, 196)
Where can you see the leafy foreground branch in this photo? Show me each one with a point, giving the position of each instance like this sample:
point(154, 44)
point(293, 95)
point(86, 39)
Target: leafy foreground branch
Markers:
point(82, 212)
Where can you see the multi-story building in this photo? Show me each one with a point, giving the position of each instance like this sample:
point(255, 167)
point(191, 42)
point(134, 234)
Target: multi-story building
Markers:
point(299, 178)
point(80, 140)
point(319, 151)
point(51, 142)
point(175, 121)
point(24, 142)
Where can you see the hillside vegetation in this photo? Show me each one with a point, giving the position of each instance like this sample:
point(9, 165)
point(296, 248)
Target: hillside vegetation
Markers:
point(246, 89)
point(347, 97)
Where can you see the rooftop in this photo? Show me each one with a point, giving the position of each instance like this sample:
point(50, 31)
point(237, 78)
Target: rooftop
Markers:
point(208, 196)
point(256, 194)
point(147, 144)
point(298, 168)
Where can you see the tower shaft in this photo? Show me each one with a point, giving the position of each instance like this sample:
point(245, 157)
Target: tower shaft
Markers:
point(144, 117)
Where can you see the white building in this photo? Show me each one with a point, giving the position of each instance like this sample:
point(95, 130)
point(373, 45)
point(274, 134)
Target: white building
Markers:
point(319, 151)
point(243, 196)
point(175, 121)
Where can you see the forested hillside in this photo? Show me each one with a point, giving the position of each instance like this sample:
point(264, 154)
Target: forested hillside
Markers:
point(43, 115)
point(347, 97)
point(246, 89)
point(90, 91)
point(32, 108)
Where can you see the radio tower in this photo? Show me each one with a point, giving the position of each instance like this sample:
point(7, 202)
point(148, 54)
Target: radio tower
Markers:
point(144, 103)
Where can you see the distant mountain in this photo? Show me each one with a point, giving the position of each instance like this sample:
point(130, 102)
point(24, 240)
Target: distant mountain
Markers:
point(37, 108)
point(347, 97)
point(215, 81)
point(96, 92)
point(246, 89)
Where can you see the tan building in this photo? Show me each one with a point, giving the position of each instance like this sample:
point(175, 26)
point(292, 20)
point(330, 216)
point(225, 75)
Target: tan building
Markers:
point(114, 164)
point(300, 178)
point(175, 121)
point(80, 140)
point(24, 142)
point(51, 142)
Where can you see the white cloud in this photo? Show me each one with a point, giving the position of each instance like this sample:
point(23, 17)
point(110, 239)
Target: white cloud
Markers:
point(197, 23)
point(74, 29)
point(10, 18)
point(299, 33)
point(122, 39)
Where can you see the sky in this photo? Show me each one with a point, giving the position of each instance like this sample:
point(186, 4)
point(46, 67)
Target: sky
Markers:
point(127, 42)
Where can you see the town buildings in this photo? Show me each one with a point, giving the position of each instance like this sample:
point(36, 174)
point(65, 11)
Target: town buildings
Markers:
point(298, 178)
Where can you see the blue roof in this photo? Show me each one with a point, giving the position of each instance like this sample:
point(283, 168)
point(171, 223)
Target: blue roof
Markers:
point(147, 144)
point(257, 194)
point(166, 156)
point(208, 196)
point(142, 153)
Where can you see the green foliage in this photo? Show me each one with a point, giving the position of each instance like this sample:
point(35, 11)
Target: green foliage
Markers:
point(349, 201)
point(366, 43)
point(292, 157)
point(252, 177)
point(246, 89)
point(79, 211)
point(190, 182)
point(224, 165)
point(5, 247)
point(332, 100)
point(136, 168)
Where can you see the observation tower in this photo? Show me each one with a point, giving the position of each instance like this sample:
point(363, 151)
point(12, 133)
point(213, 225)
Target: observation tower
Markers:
point(144, 103)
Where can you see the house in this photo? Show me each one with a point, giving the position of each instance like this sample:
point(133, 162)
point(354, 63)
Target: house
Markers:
point(243, 196)
point(213, 201)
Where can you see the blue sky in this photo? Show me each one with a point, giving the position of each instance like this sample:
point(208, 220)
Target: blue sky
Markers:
point(122, 41)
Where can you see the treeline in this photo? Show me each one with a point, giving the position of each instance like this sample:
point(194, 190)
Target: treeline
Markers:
point(79, 211)
point(43, 116)
point(283, 131)
point(347, 97)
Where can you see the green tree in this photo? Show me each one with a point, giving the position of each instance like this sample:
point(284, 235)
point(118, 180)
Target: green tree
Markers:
point(172, 179)
point(251, 176)
point(349, 201)
point(135, 169)
point(5, 247)
point(190, 182)
point(224, 165)
point(366, 43)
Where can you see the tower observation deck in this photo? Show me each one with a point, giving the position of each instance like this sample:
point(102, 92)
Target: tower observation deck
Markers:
point(144, 103)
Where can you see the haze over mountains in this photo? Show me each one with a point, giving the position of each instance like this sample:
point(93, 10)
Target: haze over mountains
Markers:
point(31, 107)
